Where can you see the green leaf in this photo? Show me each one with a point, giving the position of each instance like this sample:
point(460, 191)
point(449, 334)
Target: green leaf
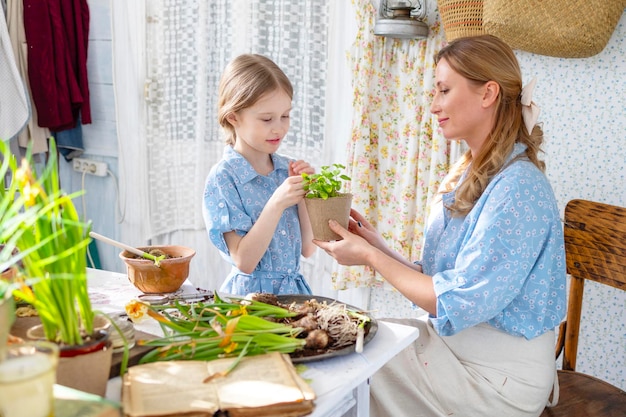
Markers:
point(325, 184)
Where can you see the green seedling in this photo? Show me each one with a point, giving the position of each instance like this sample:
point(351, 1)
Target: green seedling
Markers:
point(325, 184)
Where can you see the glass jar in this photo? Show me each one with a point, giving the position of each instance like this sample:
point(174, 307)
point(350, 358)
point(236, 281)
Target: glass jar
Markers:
point(125, 325)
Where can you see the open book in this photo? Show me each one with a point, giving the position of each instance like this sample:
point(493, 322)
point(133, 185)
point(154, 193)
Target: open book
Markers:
point(262, 385)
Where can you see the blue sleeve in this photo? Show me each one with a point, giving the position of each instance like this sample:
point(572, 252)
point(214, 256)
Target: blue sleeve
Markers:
point(511, 228)
point(223, 208)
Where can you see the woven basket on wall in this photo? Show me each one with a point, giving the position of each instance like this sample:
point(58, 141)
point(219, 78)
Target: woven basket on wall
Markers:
point(461, 18)
point(567, 29)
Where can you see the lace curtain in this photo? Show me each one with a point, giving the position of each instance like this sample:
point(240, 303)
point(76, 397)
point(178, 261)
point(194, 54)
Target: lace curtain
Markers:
point(187, 46)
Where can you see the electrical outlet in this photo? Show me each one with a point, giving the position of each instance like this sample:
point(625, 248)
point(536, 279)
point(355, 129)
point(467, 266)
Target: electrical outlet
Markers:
point(90, 166)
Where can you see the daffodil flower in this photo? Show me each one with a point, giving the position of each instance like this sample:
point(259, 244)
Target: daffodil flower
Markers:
point(136, 310)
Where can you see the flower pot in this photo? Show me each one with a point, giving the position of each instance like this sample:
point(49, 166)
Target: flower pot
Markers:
point(321, 211)
point(7, 317)
point(165, 278)
point(86, 367)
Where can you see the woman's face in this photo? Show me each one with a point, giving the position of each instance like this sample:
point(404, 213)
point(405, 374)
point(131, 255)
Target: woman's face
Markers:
point(461, 107)
point(261, 127)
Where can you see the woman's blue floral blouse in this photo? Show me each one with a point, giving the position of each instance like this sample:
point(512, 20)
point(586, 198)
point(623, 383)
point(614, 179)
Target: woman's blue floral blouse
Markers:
point(234, 196)
point(503, 263)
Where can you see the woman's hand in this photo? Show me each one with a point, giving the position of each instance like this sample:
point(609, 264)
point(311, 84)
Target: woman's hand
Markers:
point(361, 244)
point(352, 249)
point(359, 225)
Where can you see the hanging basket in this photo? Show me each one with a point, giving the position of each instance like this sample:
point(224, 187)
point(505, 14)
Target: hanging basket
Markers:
point(461, 18)
point(566, 29)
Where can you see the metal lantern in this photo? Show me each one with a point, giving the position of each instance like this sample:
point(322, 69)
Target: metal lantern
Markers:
point(401, 19)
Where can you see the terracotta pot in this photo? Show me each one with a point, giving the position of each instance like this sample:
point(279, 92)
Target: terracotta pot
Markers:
point(321, 211)
point(86, 367)
point(100, 322)
point(165, 278)
point(7, 317)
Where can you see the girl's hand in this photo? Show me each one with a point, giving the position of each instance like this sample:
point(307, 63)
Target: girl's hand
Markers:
point(299, 167)
point(289, 193)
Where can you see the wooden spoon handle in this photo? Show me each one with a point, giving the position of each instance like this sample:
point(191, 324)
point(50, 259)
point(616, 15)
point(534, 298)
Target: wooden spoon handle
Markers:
point(118, 244)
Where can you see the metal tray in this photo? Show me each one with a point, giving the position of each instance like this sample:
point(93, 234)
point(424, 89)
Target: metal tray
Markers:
point(301, 298)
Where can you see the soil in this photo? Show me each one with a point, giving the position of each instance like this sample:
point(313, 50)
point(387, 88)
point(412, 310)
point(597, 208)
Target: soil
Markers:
point(155, 252)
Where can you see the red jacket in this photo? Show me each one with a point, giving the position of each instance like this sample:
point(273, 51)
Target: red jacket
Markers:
point(57, 33)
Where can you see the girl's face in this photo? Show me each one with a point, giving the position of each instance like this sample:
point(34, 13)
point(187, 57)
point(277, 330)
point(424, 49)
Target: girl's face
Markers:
point(463, 109)
point(261, 127)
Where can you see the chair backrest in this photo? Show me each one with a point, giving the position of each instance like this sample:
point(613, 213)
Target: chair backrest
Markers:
point(595, 249)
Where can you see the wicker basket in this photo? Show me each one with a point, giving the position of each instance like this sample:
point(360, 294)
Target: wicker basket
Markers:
point(461, 18)
point(567, 29)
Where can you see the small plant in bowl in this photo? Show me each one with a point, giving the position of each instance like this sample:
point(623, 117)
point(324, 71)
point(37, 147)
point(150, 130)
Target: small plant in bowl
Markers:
point(325, 201)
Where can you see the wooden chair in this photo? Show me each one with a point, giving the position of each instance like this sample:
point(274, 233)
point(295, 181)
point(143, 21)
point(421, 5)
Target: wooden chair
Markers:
point(595, 248)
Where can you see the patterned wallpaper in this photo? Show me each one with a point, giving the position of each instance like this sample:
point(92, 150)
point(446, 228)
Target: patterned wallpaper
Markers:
point(583, 104)
point(583, 110)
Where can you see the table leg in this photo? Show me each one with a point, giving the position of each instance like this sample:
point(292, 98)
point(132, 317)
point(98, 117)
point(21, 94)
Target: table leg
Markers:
point(363, 399)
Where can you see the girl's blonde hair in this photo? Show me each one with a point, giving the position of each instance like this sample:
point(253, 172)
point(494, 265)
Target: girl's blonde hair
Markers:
point(245, 80)
point(481, 59)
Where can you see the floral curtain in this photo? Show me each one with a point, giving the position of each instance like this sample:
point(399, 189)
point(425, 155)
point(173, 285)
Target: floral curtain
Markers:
point(397, 156)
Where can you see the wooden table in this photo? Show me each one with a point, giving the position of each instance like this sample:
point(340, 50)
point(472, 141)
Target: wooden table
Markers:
point(340, 383)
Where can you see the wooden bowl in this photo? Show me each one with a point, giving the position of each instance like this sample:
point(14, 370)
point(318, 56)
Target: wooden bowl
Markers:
point(165, 278)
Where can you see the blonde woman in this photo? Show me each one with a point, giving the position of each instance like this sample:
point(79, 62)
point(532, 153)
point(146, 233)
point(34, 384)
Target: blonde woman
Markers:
point(492, 273)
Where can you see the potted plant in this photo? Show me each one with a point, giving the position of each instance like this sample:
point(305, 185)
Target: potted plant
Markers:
point(12, 217)
point(53, 249)
point(325, 201)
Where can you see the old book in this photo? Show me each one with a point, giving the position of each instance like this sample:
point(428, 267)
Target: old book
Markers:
point(262, 385)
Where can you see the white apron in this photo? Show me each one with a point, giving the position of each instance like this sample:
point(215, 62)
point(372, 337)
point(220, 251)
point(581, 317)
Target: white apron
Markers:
point(481, 372)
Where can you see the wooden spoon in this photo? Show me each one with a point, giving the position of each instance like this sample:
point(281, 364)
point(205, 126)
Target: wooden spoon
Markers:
point(146, 255)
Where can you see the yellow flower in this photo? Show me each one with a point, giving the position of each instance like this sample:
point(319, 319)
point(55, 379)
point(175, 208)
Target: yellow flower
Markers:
point(29, 187)
point(231, 325)
point(31, 191)
point(230, 348)
point(136, 310)
point(23, 175)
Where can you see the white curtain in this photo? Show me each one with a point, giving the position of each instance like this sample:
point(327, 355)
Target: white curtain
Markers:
point(128, 34)
point(171, 53)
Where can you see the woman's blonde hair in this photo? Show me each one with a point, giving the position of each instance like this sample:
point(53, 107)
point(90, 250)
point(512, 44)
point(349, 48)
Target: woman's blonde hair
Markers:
point(481, 59)
point(245, 80)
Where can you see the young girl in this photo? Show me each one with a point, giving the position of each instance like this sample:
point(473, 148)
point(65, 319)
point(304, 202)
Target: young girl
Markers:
point(253, 199)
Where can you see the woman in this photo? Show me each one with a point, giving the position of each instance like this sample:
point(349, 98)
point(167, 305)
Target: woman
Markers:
point(492, 274)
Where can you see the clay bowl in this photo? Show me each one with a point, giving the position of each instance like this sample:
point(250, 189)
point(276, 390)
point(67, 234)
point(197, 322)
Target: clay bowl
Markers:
point(165, 278)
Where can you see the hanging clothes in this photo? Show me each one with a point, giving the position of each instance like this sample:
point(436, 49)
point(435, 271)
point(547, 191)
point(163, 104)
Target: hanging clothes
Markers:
point(57, 39)
point(33, 132)
point(14, 108)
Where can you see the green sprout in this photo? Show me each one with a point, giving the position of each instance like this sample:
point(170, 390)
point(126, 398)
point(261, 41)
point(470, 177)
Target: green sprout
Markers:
point(326, 183)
